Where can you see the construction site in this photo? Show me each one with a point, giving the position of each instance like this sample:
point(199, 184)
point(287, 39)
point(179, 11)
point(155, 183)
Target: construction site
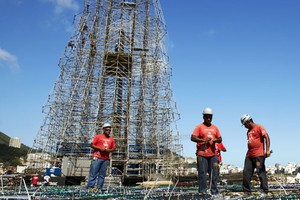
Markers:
point(114, 69)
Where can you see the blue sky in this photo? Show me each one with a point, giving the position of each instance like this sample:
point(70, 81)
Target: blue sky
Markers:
point(234, 56)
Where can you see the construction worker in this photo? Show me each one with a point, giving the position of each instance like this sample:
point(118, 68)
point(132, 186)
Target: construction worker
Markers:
point(258, 150)
point(220, 147)
point(102, 144)
point(34, 180)
point(206, 135)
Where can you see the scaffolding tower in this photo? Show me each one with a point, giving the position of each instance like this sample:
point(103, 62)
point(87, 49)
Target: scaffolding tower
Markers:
point(114, 69)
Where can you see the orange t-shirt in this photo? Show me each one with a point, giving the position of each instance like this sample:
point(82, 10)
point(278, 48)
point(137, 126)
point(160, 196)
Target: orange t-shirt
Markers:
point(102, 141)
point(255, 138)
point(203, 132)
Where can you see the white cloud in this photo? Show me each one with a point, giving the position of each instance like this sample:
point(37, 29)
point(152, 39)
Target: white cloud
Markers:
point(61, 5)
point(62, 9)
point(7, 59)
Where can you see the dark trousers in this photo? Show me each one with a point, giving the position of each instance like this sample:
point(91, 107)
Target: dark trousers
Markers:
point(250, 165)
point(207, 165)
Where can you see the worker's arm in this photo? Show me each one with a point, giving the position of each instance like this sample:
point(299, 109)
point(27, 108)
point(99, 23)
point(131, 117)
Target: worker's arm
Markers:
point(196, 139)
point(267, 141)
point(218, 140)
point(97, 148)
point(110, 150)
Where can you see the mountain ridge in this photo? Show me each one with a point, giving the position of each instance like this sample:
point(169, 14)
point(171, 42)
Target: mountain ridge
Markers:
point(11, 155)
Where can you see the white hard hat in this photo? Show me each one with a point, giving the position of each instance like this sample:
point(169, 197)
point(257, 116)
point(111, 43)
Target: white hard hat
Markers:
point(207, 111)
point(245, 118)
point(105, 125)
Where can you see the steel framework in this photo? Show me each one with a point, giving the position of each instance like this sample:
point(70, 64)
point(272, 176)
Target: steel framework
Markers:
point(114, 69)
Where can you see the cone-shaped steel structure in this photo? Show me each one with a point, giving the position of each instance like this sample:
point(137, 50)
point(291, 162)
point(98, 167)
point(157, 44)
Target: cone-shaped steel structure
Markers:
point(114, 69)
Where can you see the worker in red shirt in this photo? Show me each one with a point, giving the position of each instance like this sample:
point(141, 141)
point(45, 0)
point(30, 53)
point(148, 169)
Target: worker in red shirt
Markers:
point(103, 144)
point(220, 147)
point(34, 180)
point(206, 135)
point(258, 151)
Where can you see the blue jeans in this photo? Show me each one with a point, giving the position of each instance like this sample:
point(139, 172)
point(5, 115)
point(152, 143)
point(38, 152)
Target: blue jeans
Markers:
point(97, 170)
point(207, 165)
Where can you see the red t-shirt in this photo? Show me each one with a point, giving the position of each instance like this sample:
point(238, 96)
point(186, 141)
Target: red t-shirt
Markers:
point(219, 148)
point(102, 141)
point(34, 180)
point(203, 132)
point(255, 138)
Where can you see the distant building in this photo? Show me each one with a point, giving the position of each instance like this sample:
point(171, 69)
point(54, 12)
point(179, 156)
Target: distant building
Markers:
point(190, 160)
point(273, 169)
point(15, 142)
point(227, 169)
point(21, 168)
point(38, 156)
point(290, 168)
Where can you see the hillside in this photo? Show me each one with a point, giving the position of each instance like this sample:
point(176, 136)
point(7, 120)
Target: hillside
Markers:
point(11, 155)
point(4, 139)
